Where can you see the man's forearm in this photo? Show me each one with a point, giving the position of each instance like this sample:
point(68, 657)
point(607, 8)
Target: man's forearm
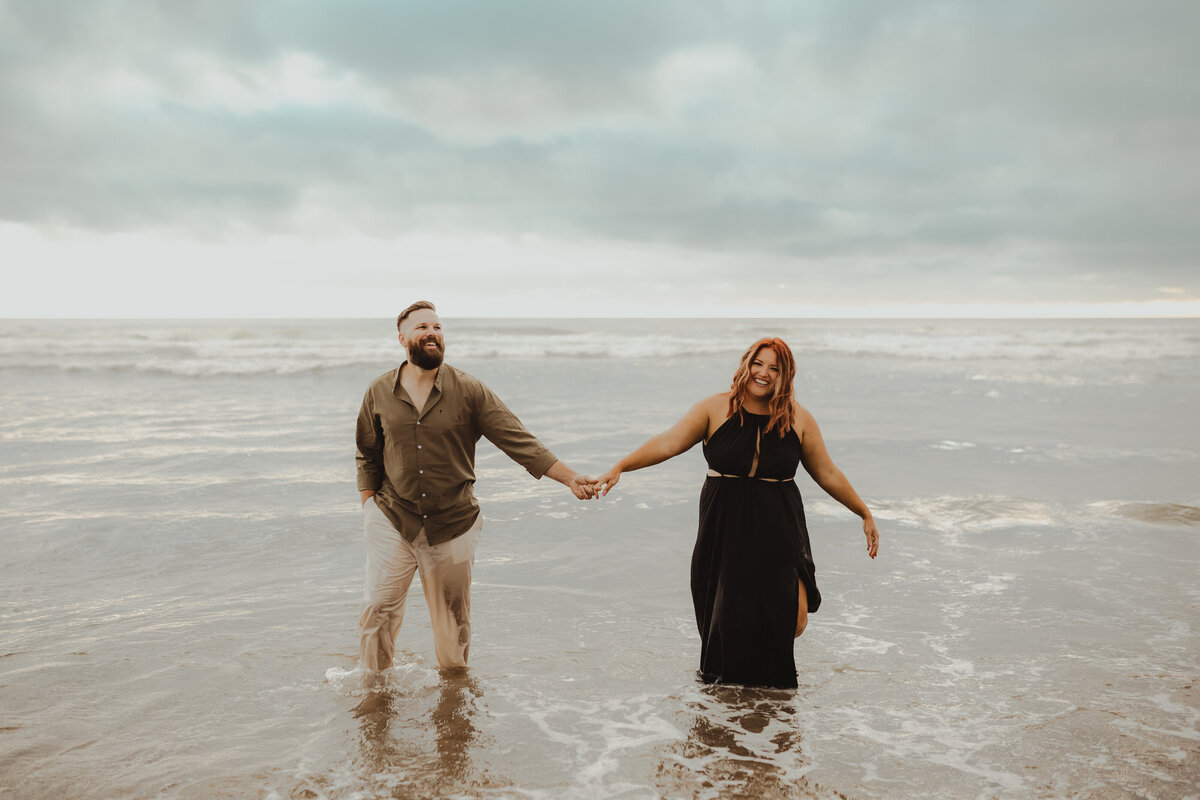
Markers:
point(561, 472)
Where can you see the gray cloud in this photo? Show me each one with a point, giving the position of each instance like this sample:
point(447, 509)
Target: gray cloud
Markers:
point(933, 147)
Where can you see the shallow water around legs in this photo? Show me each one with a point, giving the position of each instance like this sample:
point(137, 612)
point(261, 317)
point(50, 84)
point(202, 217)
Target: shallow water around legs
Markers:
point(182, 562)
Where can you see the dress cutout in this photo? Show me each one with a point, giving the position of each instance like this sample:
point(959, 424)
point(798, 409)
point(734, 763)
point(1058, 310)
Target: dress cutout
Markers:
point(752, 553)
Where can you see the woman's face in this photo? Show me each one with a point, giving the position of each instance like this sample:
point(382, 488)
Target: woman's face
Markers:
point(764, 374)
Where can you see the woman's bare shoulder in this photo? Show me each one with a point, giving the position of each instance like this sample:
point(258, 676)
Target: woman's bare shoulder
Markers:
point(715, 405)
point(716, 408)
point(803, 420)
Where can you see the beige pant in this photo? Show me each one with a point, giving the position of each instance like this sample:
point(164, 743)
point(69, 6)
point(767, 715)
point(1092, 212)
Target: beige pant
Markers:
point(445, 577)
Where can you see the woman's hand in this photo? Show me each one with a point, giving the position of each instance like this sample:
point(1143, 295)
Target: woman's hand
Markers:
point(608, 480)
point(872, 536)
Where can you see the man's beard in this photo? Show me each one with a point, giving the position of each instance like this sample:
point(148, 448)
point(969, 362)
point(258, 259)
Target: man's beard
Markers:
point(425, 359)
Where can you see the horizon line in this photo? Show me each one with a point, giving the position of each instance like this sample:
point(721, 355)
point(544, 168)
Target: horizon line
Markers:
point(744, 317)
point(466, 307)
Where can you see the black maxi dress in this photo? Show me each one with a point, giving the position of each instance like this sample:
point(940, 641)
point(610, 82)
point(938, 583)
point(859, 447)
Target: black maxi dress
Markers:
point(752, 553)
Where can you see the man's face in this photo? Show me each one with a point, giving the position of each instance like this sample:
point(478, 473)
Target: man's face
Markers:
point(421, 335)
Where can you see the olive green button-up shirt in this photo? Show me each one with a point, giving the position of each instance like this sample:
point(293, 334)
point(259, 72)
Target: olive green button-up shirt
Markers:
point(421, 466)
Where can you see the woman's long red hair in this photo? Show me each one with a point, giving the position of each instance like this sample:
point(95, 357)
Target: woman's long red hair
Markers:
point(781, 405)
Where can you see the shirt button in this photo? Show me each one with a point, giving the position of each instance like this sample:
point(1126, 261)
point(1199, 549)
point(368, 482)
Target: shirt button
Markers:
point(424, 516)
point(418, 422)
point(418, 447)
point(420, 472)
point(422, 494)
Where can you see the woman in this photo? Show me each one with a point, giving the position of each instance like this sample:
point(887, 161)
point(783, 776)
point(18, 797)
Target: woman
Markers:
point(753, 582)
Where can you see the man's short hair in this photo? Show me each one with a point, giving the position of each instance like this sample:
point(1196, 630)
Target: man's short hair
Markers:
point(417, 306)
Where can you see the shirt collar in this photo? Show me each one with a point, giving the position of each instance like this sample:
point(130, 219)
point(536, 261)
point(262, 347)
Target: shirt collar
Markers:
point(437, 379)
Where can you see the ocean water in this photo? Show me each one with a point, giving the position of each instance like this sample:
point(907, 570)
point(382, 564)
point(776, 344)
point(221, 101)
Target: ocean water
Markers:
point(181, 568)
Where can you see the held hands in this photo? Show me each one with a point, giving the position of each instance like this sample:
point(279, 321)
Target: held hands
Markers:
point(582, 487)
point(586, 488)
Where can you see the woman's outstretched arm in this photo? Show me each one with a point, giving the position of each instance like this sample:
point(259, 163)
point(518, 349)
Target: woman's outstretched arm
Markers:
point(679, 438)
point(820, 466)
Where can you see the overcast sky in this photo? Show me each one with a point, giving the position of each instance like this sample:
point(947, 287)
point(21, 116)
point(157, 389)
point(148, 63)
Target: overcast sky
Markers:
point(294, 158)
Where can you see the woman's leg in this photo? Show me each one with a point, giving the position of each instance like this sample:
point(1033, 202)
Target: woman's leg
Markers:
point(802, 610)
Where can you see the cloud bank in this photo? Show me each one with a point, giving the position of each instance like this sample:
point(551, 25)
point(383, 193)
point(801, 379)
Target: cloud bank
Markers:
point(861, 152)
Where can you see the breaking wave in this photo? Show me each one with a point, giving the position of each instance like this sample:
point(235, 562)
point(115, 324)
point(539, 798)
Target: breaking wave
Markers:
point(273, 347)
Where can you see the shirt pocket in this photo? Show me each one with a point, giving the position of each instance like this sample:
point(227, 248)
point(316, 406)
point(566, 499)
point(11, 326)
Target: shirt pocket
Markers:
point(446, 421)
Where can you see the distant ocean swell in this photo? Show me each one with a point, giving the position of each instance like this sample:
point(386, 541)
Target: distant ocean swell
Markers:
point(192, 349)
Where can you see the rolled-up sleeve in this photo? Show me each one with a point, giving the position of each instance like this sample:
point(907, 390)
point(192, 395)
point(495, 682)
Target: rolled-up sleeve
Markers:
point(503, 429)
point(368, 438)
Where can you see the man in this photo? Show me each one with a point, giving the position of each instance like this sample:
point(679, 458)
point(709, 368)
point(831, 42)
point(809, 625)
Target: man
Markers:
point(416, 438)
